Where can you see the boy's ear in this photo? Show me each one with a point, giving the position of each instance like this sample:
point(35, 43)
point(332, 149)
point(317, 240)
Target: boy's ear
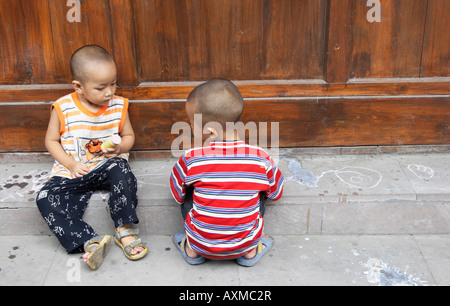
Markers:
point(212, 133)
point(77, 86)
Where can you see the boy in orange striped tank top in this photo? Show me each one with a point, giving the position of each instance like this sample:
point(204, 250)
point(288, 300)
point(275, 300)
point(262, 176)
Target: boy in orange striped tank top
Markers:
point(79, 123)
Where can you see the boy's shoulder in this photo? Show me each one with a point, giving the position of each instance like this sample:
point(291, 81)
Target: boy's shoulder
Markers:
point(73, 98)
point(119, 100)
point(66, 98)
point(236, 150)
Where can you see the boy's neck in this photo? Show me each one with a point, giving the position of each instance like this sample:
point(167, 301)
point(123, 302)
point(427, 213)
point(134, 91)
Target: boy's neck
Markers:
point(90, 106)
point(227, 137)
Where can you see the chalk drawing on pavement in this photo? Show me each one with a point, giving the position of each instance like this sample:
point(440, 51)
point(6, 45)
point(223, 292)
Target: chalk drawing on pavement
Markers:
point(356, 177)
point(382, 274)
point(421, 171)
point(25, 186)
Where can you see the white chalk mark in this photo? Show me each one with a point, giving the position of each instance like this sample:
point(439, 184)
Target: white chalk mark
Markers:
point(22, 187)
point(421, 171)
point(141, 182)
point(382, 274)
point(357, 177)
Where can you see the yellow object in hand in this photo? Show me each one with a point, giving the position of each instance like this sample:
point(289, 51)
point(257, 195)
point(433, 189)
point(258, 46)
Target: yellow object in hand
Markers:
point(113, 141)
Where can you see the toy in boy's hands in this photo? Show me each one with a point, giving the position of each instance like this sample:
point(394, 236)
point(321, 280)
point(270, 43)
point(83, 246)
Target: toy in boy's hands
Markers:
point(113, 141)
point(110, 147)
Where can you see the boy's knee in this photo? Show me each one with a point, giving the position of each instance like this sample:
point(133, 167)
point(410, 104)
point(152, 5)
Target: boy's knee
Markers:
point(41, 198)
point(119, 167)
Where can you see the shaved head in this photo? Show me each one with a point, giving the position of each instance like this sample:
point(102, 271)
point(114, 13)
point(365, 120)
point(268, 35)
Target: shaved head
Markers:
point(217, 100)
point(87, 55)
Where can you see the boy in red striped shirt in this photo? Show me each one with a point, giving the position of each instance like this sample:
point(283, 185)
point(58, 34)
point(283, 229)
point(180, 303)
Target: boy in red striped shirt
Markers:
point(222, 186)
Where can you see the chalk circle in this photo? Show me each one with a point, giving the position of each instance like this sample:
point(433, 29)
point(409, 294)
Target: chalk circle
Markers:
point(421, 171)
point(359, 177)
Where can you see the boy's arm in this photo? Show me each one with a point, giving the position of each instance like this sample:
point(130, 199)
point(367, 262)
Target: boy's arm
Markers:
point(177, 181)
point(53, 146)
point(128, 138)
point(276, 181)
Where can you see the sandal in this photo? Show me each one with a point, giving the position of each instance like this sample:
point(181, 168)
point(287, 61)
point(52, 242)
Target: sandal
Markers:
point(179, 239)
point(268, 242)
point(98, 248)
point(127, 249)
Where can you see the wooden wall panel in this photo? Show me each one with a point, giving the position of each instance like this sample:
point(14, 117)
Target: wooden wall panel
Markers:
point(302, 122)
point(391, 48)
point(94, 28)
point(240, 40)
point(23, 126)
point(316, 122)
point(436, 53)
point(339, 43)
point(320, 68)
point(37, 39)
point(26, 48)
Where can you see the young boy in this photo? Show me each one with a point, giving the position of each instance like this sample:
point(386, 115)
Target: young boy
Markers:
point(79, 123)
point(222, 187)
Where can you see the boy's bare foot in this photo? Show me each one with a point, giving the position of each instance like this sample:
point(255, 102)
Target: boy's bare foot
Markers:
point(85, 256)
point(96, 249)
point(190, 252)
point(252, 253)
point(253, 257)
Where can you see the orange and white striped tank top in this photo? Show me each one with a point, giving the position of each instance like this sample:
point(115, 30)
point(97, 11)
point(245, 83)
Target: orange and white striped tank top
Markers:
point(83, 132)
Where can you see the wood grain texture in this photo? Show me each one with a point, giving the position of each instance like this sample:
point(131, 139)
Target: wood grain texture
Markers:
point(436, 51)
point(318, 67)
point(302, 122)
point(195, 40)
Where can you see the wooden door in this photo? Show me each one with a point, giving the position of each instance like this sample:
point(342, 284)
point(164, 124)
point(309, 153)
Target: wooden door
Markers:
point(329, 72)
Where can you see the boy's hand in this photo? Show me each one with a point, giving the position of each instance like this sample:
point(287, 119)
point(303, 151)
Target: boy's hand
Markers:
point(112, 152)
point(78, 169)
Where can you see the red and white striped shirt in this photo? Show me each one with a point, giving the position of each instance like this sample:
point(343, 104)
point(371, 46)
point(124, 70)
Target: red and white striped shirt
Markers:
point(227, 177)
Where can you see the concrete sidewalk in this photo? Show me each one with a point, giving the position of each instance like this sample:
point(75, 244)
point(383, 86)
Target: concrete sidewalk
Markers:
point(344, 219)
point(321, 260)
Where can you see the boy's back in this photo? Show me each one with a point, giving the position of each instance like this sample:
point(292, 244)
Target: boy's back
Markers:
point(227, 177)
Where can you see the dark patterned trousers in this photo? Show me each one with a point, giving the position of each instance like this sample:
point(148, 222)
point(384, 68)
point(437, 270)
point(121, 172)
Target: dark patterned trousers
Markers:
point(188, 203)
point(62, 202)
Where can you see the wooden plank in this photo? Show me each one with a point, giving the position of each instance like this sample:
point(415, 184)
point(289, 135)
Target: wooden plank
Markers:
point(94, 28)
point(318, 122)
point(358, 121)
point(390, 48)
point(249, 89)
point(200, 39)
point(294, 39)
point(26, 51)
point(302, 122)
point(23, 127)
point(338, 41)
point(436, 51)
point(123, 35)
point(12, 53)
point(318, 67)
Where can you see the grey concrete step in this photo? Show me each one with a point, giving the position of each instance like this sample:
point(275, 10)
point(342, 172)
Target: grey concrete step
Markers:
point(294, 260)
point(324, 194)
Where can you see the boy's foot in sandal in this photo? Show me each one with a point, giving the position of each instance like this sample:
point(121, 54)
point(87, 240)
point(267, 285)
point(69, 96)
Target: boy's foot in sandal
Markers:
point(96, 249)
point(126, 238)
point(180, 241)
point(264, 245)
